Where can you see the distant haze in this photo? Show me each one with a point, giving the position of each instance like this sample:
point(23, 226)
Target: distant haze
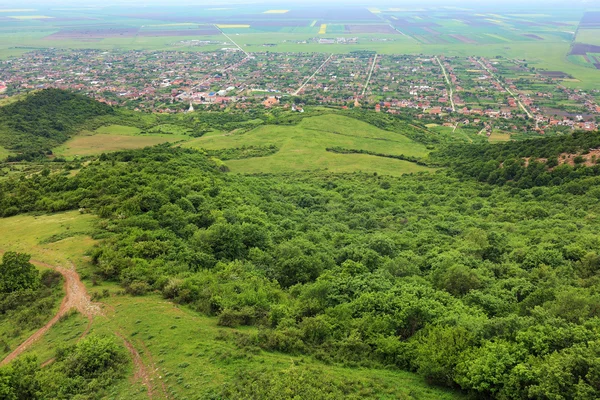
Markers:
point(454, 3)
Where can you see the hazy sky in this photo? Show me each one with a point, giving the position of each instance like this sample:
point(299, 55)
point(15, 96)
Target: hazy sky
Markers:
point(169, 3)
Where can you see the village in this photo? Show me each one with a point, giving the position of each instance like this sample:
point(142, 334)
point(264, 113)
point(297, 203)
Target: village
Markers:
point(495, 93)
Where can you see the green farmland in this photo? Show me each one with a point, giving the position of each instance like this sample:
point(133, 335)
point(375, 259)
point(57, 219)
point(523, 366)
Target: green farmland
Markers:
point(542, 38)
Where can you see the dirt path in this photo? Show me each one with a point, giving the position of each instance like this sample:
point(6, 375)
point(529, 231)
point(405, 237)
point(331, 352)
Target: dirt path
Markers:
point(148, 372)
point(76, 297)
point(141, 372)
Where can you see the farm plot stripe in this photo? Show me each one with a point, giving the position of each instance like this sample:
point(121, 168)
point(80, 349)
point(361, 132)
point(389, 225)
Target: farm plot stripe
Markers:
point(392, 26)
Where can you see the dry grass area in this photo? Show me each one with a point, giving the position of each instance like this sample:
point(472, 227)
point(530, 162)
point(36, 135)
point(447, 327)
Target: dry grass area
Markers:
point(112, 138)
point(499, 137)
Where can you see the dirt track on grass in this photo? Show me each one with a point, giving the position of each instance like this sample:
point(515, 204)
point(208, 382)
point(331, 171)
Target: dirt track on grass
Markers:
point(76, 297)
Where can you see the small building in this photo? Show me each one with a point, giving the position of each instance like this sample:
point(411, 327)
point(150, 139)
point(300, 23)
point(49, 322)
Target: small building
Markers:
point(271, 101)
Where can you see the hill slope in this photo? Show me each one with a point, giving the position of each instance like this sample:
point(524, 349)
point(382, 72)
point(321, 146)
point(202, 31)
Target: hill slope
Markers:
point(304, 147)
point(44, 120)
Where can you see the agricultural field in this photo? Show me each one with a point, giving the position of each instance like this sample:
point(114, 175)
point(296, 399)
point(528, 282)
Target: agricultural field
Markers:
point(303, 147)
point(299, 29)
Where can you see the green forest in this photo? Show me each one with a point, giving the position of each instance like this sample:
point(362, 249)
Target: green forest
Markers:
point(39, 122)
point(481, 276)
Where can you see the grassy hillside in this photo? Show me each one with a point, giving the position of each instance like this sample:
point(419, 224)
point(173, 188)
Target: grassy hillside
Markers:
point(297, 146)
point(112, 138)
point(303, 147)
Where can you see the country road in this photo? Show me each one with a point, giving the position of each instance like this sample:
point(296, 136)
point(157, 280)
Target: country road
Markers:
point(451, 91)
point(505, 88)
point(313, 75)
point(370, 74)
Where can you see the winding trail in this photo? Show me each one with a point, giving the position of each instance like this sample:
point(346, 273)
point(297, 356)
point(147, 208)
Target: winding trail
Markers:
point(76, 297)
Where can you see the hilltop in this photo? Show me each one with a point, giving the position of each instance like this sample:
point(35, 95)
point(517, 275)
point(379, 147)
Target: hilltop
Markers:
point(42, 120)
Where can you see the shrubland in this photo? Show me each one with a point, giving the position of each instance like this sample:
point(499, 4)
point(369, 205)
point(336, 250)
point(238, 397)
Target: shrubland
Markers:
point(83, 370)
point(33, 125)
point(487, 287)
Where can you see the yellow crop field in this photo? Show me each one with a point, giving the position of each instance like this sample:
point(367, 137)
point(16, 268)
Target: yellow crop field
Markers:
point(229, 26)
point(323, 29)
point(276, 11)
point(497, 37)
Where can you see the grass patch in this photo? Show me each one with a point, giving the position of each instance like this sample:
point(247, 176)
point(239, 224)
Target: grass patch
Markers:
point(4, 153)
point(118, 130)
point(117, 137)
point(194, 355)
point(498, 137)
point(30, 234)
point(66, 332)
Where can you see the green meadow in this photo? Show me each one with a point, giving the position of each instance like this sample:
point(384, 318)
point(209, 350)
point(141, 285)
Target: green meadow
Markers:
point(303, 147)
point(114, 138)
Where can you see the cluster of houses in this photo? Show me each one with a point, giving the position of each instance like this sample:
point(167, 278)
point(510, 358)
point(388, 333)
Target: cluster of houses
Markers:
point(445, 88)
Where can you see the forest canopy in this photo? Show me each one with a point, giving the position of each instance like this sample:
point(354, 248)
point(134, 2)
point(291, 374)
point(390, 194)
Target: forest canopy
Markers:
point(45, 119)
